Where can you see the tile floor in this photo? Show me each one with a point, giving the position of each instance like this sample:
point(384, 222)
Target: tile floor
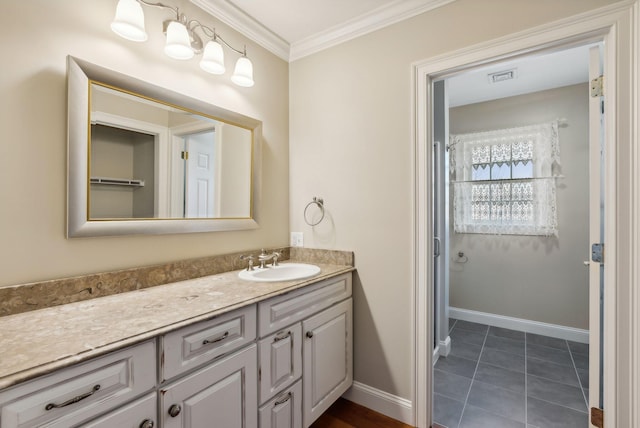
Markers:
point(495, 377)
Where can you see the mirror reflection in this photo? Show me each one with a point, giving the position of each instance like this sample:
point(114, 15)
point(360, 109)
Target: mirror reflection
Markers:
point(150, 159)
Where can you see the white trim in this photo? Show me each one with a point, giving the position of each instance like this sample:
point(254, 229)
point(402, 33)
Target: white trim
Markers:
point(617, 25)
point(520, 324)
point(382, 402)
point(246, 25)
point(444, 347)
point(371, 21)
point(364, 24)
point(436, 355)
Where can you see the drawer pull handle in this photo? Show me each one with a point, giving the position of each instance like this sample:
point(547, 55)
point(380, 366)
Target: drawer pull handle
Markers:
point(147, 423)
point(282, 336)
point(174, 410)
point(283, 400)
point(219, 339)
point(73, 400)
point(309, 334)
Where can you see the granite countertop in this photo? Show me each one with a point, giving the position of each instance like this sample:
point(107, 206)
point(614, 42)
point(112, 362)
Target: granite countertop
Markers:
point(37, 342)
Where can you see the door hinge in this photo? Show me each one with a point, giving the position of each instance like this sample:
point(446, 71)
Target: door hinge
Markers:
point(597, 417)
point(597, 253)
point(597, 87)
point(184, 155)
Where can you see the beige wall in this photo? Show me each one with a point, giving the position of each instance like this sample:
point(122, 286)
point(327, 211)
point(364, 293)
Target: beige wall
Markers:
point(531, 277)
point(37, 35)
point(351, 144)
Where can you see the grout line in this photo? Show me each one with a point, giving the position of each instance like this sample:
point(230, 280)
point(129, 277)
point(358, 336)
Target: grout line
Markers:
point(575, 369)
point(464, 406)
point(553, 403)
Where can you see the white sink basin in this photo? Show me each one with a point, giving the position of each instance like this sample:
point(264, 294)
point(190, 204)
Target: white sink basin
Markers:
point(282, 272)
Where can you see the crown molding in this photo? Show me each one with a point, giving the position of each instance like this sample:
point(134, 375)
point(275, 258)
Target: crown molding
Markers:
point(363, 24)
point(246, 25)
point(359, 26)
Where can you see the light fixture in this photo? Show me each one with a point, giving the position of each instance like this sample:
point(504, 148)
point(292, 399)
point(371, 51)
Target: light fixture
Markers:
point(182, 42)
point(129, 21)
point(243, 73)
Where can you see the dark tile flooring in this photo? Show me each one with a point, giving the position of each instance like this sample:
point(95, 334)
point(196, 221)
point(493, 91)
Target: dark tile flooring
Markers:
point(495, 377)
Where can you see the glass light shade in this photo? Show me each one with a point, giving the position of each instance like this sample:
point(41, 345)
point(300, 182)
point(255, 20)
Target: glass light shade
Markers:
point(243, 73)
point(129, 21)
point(213, 58)
point(178, 44)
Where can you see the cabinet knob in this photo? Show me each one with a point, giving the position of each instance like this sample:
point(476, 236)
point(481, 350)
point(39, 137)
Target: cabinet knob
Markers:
point(174, 410)
point(147, 423)
point(309, 334)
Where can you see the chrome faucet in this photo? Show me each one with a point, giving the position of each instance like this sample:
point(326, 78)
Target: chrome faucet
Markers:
point(250, 258)
point(264, 257)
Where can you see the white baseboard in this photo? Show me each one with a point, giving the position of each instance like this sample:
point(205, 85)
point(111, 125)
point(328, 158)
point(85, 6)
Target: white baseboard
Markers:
point(444, 347)
point(382, 402)
point(528, 326)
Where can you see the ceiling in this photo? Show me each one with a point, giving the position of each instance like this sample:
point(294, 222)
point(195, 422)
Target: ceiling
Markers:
point(533, 73)
point(293, 29)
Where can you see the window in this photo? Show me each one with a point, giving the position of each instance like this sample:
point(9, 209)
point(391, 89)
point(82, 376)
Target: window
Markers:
point(503, 181)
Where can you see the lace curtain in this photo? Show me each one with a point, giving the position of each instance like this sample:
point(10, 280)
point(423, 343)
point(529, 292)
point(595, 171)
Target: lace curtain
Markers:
point(504, 181)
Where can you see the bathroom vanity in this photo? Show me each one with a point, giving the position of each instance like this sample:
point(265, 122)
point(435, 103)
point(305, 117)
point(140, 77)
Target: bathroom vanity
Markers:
point(211, 351)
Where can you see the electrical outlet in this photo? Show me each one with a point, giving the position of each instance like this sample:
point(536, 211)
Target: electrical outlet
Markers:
point(297, 239)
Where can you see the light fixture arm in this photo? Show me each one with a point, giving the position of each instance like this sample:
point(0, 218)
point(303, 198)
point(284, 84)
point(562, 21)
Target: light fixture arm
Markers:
point(211, 33)
point(163, 6)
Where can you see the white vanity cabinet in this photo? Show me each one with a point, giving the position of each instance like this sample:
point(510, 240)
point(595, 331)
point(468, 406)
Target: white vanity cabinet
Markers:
point(277, 363)
point(280, 361)
point(222, 394)
point(284, 410)
point(328, 358)
point(74, 395)
point(322, 312)
point(223, 391)
point(141, 413)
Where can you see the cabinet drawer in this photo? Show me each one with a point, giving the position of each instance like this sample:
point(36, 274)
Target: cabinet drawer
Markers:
point(76, 394)
point(278, 312)
point(284, 411)
point(200, 343)
point(139, 414)
point(280, 360)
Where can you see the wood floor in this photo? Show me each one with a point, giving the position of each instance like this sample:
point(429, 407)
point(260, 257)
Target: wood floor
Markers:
point(346, 414)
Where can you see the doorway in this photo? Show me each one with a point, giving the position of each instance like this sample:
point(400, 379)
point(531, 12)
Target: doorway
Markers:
point(584, 29)
point(520, 317)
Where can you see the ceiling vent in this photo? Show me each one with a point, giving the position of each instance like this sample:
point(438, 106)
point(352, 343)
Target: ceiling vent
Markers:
point(502, 76)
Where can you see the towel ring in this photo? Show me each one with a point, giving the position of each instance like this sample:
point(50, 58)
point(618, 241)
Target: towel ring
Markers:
point(319, 202)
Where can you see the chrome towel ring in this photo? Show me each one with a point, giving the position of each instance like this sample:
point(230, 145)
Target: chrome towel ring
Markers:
point(319, 202)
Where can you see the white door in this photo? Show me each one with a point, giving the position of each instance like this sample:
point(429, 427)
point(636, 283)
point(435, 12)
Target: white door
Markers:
point(596, 230)
point(200, 188)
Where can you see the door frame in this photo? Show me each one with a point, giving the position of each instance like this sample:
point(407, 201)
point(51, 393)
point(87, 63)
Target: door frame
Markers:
point(618, 26)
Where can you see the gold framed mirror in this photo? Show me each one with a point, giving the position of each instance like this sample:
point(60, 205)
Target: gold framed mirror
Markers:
point(146, 160)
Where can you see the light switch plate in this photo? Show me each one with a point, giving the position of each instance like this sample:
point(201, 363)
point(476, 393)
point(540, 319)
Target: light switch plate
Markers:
point(297, 239)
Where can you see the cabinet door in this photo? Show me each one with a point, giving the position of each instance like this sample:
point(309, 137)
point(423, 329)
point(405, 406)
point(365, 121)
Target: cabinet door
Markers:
point(285, 410)
point(327, 358)
point(222, 394)
point(141, 413)
point(280, 361)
